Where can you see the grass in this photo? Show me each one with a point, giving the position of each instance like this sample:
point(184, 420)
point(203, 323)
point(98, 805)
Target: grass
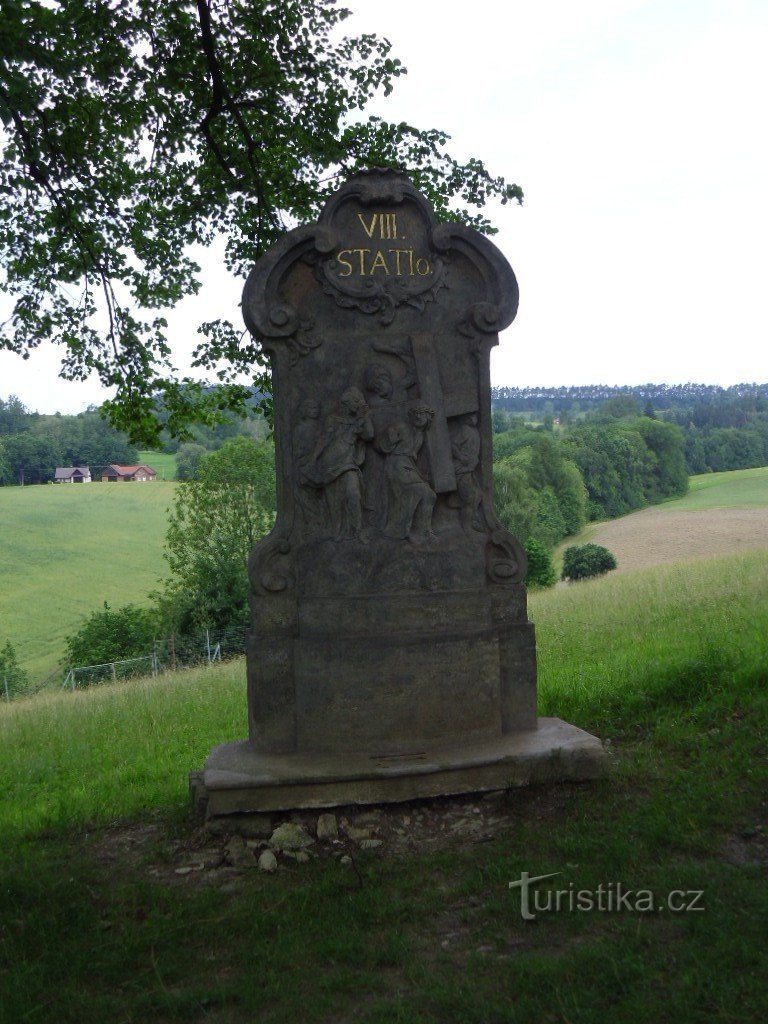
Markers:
point(163, 462)
point(669, 665)
point(741, 488)
point(64, 550)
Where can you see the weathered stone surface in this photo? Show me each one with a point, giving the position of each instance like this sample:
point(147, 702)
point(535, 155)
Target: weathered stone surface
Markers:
point(389, 627)
point(327, 826)
point(357, 834)
point(388, 581)
point(300, 856)
point(267, 861)
point(240, 778)
point(238, 854)
point(290, 837)
point(370, 844)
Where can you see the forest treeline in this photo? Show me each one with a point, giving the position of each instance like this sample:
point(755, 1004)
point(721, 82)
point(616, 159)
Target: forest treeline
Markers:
point(33, 444)
point(723, 428)
point(583, 397)
point(548, 484)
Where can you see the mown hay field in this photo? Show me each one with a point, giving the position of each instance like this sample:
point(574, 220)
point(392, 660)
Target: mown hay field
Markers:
point(723, 514)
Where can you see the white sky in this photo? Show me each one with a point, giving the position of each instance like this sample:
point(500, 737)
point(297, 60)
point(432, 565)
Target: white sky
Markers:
point(637, 129)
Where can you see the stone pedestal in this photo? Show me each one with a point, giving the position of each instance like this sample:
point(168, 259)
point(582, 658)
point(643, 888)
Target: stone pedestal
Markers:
point(239, 780)
point(390, 654)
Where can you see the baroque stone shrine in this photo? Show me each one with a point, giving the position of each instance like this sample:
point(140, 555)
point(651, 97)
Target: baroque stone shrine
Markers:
point(390, 654)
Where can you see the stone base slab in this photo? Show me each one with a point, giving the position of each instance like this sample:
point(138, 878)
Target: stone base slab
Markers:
point(238, 779)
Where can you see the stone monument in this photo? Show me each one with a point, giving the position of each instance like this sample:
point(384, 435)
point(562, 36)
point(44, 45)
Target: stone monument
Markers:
point(390, 654)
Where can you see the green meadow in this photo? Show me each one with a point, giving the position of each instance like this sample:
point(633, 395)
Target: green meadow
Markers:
point(668, 665)
point(164, 463)
point(65, 550)
point(741, 488)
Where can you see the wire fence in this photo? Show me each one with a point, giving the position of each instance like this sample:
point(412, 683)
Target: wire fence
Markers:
point(169, 654)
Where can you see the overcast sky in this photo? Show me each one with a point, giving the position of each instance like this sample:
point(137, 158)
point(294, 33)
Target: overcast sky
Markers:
point(637, 130)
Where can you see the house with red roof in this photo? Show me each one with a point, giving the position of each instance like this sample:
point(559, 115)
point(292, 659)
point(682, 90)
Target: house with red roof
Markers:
point(139, 474)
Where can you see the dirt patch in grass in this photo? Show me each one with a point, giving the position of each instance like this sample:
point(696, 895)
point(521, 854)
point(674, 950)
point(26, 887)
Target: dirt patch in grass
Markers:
point(194, 855)
point(656, 536)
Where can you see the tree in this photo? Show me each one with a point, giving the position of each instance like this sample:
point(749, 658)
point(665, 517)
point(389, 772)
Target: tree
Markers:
point(108, 635)
point(668, 476)
point(188, 460)
point(13, 679)
point(582, 562)
point(514, 499)
point(541, 572)
point(6, 473)
point(14, 416)
point(32, 458)
point(557, 481)
point(133, 130)
point(214, 522)
point(617, 408)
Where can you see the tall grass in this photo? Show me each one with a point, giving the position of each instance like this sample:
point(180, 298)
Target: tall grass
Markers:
point(614, 654)
point(670, 664)
point(116, 750)
point(611, 648)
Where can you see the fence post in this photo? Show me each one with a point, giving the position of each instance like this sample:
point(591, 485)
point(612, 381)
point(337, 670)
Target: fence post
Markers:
point(154, 658)
point(7, 694)
point(208, 645)
point(173, 652)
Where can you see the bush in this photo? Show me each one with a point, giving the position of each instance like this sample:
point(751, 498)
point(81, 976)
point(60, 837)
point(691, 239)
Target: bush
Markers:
point(540, 570)
point(109, 635)
point(13, 678)
point(581, 562)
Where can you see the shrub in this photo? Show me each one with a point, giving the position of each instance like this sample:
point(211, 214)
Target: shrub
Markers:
point(109, 635)
point(581, 562)
point(540, 570)
point(13, 678)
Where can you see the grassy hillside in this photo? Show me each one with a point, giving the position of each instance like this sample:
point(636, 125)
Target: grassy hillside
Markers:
point(64, 550)
point(102, 921)
point(723, 513)
point(163, 463)
point(742, 488)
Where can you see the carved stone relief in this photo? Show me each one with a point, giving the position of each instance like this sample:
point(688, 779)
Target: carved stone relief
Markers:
point(334, 465)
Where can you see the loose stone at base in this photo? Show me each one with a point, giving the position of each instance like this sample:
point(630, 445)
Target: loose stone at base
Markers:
point(327, 826)
point(268, 861)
